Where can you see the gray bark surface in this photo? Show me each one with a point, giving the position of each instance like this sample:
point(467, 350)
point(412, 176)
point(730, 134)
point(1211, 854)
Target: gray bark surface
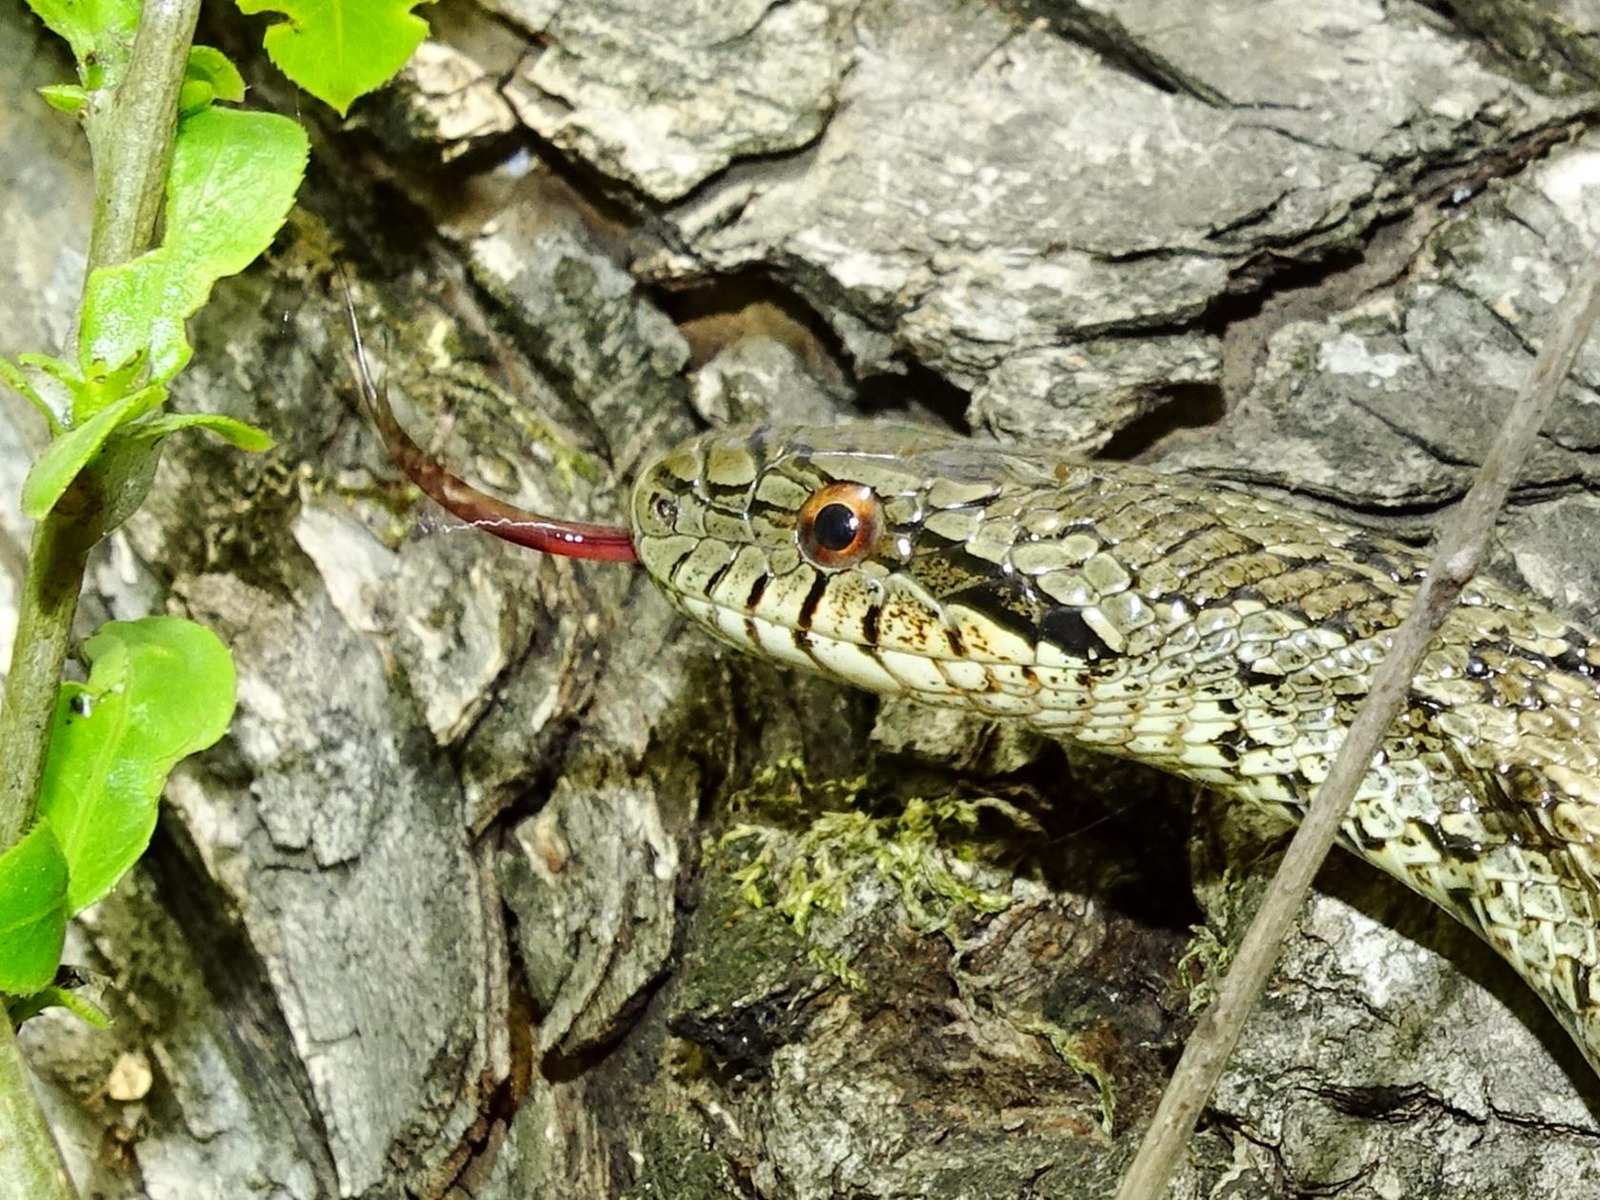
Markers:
point(507, 884)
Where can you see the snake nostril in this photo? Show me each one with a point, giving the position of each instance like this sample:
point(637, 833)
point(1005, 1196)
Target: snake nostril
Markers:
point(666, 509)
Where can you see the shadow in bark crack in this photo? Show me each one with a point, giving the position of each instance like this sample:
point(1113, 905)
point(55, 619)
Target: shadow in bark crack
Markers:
point(1386, 902)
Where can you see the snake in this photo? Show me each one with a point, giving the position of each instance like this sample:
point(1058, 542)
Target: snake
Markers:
point(1210, 632)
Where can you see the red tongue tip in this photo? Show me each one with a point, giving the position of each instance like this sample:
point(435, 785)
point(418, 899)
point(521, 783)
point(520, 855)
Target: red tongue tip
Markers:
point(549, 535)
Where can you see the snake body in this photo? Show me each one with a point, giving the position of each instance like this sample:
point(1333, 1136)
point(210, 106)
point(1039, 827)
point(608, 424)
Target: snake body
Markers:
point(1207, 632)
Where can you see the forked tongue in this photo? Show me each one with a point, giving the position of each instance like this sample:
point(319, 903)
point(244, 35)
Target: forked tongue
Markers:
point(572, 539)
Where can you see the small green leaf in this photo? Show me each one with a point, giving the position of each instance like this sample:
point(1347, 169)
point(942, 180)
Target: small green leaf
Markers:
point(103, 388)
point(237, 433)
point(234, 175)
point(11, 375)
point(53, 471)
point(209, 65)
point(65, 97)
point(194, 95)
point(125, 315)
point(340, 49)
point(68, 394)
point(52, 366)
point(159, 689)
point(33, 912)
point(85, 397)
point(24, 1007)
point(100, 33)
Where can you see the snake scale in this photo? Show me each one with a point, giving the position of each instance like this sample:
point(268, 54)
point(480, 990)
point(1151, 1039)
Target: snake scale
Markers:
point(1208, 632)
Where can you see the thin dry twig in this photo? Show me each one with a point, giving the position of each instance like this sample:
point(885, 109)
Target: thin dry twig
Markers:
point(1459, 551)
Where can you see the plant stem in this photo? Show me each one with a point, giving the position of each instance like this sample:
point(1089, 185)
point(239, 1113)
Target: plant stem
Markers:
point(32, 1170)
point(44, 630)
point(130, 134)
point(1458, 552)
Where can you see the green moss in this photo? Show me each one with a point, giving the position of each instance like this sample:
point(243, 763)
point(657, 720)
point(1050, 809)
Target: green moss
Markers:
point(674, 1163)
point(1210, 950)
point(814, 844)
point(1072, 1051)
point(734, 951)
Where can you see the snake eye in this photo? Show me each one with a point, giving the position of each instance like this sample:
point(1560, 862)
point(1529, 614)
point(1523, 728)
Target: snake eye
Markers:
point(839, 525)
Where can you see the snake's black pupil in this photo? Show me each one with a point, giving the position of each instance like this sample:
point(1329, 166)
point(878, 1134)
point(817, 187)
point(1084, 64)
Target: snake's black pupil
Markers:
point(835, 527)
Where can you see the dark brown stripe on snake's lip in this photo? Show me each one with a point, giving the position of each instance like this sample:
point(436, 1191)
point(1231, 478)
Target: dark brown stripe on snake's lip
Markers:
point(1066, 629)
point(758, 589)
point(958, 646)
point(808, 607)
point(870, 622)
point(716, 577)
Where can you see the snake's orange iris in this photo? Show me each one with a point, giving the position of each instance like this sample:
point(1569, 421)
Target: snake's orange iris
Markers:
point(839, 525)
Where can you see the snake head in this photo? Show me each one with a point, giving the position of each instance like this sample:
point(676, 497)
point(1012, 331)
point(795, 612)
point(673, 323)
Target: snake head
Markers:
point(867, 552)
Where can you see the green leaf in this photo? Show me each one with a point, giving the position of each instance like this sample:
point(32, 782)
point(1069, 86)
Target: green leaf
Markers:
point(119, 448)
point(53, 471)
point(84, 397)
point(103, 388)
point(237, 433)
point(33, 912)
point(340, 49)
point(24, 1007)
point(193, 96)
point(234, 175)
point(159, 689)
point(52, 409)
point(126, 314)
point(100, 33)
point(65, 97)
point(209, 76)
point(56, 368)
point(211, 66)
point(70, 398)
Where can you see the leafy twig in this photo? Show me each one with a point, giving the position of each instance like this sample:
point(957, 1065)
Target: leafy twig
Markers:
point(131, 139)
point(1460, 548)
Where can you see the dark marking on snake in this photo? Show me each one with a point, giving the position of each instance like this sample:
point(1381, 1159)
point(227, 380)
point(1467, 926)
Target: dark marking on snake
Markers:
point(758, 589)
point(716, 577)
point(1066, 629)
point(958, 647)
point(808, 607)
point(1006, 601)
point(870, 621)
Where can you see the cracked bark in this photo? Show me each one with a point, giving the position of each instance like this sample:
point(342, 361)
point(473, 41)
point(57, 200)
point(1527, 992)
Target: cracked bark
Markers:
point(463, 904)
